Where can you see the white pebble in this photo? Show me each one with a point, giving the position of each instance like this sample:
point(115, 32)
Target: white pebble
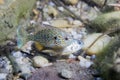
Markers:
point(40, 61)
point(71, 56)
point(66, 73)
point(61, 8)
point(79, 5)
point(17, 54)
point(38, 3)
point(32, 22)
point(19, 60)
point(77, 22)
point(84, 62)
point(45, 23)
point(27, 47)
point(74, 47)
point(26, 69)
point(51, 3)
point(88, 57)
point(3, 76)
point(93, 57)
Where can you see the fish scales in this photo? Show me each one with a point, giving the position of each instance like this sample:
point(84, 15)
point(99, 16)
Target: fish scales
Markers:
point(52, 37)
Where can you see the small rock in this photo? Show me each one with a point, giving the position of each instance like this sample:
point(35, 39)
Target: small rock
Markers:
point(40, 61)
point(61, 8)
point(5, 66)
point(77, 22)
point(52, 10)
point(37, 3)
point(51, 3)
point(72, 2)
point(84, 62)
point(17, 54)
point(66, 73)
point(74, 47)
point(77, 33)
point(22, 64)
point(26, 69)
point(45, 23)
point(32, 22)
point(57, 23)
point(98, 46)
point(98, 78)
point(93, 57)
point(45, 73)
point(88, 57)
point(51, 52)
point(117, 61)
point(27, 47)
point(3, 76)
point(1, 1)
point(71, 56)
point(51, 72)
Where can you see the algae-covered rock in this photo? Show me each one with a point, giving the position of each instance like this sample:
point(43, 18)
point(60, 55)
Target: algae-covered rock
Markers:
point(115, 71)
point(71, 2)
point(99, 2)
point(106, 21)
point(106, 61)
point(11, 12)
point(98, 46)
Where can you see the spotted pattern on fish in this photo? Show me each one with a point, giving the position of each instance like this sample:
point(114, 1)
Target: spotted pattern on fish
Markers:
point(52, 37)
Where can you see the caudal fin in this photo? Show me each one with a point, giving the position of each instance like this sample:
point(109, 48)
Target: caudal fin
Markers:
point(21, 36)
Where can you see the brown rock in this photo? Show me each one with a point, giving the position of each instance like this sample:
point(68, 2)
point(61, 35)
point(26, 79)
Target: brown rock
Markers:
point(47, 73)
point(52, 72)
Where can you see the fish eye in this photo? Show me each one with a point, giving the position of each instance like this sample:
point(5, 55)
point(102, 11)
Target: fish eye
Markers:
point(55, 37)
point(80, 42)
point(66, 38)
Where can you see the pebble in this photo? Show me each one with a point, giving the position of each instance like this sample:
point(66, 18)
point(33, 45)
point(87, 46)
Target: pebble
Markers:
point(98, 78)
point(93, 57)
point(73, 9)
point(88, 57)
point(5, 65)
point(23, 62)
point(45, 23)
point(74, 47)
point(76, 35)
point(5, 68)
point(66, 73)
point(51, 3)
point(52, 10)
point(57, 23)
point(3, 76)
point(72, 2)
point(32, 22)
point(117, 65)
point(77, 22)
point(27, 47)
point(71, 56)
point(84, 62)
point(61, 8)
point(26, 69)
point(17, 54)
point(40, 61)
point(98, 46)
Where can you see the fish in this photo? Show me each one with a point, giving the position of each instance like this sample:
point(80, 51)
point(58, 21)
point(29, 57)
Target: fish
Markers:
point(48, 37)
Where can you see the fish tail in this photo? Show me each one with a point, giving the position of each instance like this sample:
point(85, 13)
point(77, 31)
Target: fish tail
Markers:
point(21, 36)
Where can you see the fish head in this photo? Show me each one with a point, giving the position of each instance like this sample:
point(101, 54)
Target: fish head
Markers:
point(61, 41)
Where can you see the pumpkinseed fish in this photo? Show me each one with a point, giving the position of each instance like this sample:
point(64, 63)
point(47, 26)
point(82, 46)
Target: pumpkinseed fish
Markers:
point(50, 37)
